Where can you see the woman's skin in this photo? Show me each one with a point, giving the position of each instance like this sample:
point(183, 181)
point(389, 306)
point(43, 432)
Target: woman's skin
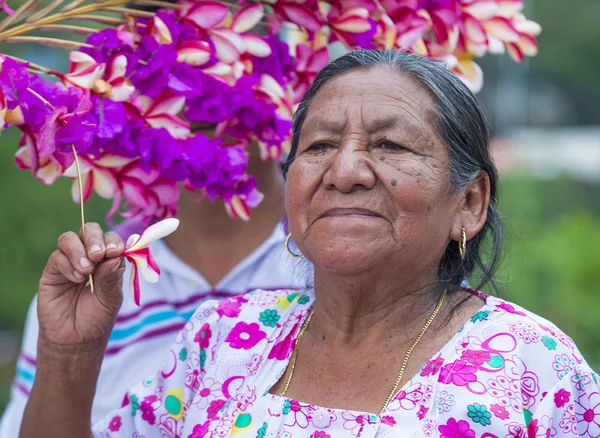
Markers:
point(369, 203)
point(210, 241)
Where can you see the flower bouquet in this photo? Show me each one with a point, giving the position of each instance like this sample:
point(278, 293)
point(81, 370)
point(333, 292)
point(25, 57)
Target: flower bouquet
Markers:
point(120, 122)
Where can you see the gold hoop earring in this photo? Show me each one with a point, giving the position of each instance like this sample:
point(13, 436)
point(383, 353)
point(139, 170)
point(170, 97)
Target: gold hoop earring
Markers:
point(287, 246)
point(462, 245)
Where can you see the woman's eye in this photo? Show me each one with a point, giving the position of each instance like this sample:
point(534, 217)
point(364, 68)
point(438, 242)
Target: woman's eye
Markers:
point(390, 146)
point(319, 146)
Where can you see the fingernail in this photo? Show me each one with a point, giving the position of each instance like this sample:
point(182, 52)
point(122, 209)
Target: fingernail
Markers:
point(84, 262)
point(111, 246)
point(95, 248)
point(77, 275)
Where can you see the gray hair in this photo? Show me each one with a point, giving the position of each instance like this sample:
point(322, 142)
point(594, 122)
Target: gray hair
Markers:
point(461, 124)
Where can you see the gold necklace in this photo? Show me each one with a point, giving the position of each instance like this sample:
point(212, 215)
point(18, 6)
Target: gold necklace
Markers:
point(402, 367)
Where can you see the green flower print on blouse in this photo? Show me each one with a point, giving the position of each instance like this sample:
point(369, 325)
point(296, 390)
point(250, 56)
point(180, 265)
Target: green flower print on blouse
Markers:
point(269, 317)
point(549, 343)
point(479, 414)
point(286, 407)
point(303, 299)
point(183, 354)
point(262, 431)
point(202, 358)
point(135, 404)
point(480, 316)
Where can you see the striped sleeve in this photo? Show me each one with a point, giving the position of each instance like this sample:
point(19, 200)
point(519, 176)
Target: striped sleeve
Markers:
point(24, 376)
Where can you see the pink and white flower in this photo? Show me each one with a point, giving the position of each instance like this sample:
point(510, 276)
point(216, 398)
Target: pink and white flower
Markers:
point(142, 262)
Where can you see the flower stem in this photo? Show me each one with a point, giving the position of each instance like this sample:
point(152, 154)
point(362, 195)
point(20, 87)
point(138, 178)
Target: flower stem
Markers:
point(79, 182)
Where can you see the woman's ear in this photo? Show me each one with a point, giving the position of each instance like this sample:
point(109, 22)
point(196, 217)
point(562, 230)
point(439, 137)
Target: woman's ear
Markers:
point(473, 207)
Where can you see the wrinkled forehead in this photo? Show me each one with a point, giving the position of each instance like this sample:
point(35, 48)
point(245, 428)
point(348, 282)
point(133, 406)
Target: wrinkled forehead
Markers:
point(372, 98)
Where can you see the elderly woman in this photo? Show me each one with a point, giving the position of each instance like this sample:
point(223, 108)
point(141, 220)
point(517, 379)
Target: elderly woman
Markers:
point(390, 193)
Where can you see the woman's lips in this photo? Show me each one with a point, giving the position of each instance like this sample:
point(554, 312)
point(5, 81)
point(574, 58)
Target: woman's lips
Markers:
point(356, 212)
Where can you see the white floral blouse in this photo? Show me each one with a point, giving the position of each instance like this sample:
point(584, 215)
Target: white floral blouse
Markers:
point(506, 373)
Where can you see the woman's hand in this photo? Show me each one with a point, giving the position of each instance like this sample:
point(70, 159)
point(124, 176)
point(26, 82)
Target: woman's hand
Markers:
point(70, 315)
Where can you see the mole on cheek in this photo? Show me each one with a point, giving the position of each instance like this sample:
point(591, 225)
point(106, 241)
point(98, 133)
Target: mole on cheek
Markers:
point(382, 158)
point(394, 182)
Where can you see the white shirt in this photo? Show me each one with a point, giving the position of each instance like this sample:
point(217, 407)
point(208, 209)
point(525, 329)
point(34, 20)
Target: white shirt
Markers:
point(142, 334)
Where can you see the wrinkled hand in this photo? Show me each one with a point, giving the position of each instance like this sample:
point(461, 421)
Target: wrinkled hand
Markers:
point(69, 314)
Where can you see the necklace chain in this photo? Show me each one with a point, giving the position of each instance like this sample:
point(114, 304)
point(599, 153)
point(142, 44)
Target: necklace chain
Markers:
point(402, 367)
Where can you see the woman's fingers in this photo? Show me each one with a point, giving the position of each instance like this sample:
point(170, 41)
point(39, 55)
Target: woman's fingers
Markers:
point(72, 247)
point(114, 245)
point(94, 241)
point(59, 264)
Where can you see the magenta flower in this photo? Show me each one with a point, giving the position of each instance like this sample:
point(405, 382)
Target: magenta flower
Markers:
point(245, 336)
point(214, 408)
point(115, 424)
point(499, 411)
point(283, 348)
point(456, 429)
point(458, 373)
point(561, 397)
point(203, 336)
point(476, 357)
point(64, 128)
point(231, 307)
point(320, 434)
point(200, 430)
point(432, 367)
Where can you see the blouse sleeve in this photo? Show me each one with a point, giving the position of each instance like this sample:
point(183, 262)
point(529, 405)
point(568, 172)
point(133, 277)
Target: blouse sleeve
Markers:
point(571, 408)
point(160, 402)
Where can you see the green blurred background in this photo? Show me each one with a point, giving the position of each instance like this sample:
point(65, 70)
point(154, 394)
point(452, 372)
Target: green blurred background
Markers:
point(545, 116)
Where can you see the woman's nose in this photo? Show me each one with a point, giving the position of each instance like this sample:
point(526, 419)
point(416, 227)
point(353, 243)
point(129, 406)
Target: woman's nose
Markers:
point(350, 170)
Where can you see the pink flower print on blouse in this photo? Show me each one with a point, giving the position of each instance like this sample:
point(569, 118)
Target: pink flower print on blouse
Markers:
point(444, 401)
point(525, 331)
point(408, 399)
point(563, 365)
point(458, 373)
point(561, 397)
point(298, 415)
point(507, 392)
point(321, 418)
point(245, 336)
point(429, 426)
point(587, 412)
point(232, 307)
point(207, 391)
point(115, 424)
point(456, 429)
point(282, 349)
point(546, 428)
point(476, 357)
point(422, 412)
point(203, 336)
point(432, 367)
point(509, 308)
point(200, 430)
point(568, 422)
point(499, 411)
point(353, 423)
point(214, 407)
point(388, 420)
point(320, 434)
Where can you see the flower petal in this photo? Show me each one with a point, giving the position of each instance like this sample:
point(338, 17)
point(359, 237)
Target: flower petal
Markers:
point(194, 52)
point(105, 182)
point(147, 267)
point(87, 183)
point(502, 29)
point(207, 14)
point(238, 209)
point(155, 232)
point(482, 9)
point(247, 17)
point(256, 45)
point(134, 284)
point(159, 30)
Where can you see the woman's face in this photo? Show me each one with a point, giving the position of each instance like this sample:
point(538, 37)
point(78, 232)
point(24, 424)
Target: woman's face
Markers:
point(370, 184)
